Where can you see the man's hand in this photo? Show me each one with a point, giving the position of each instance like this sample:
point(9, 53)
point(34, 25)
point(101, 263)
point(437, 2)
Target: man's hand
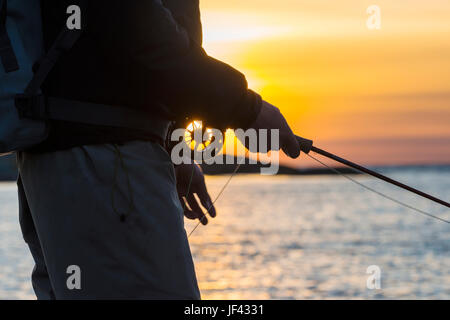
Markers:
point(191, 174)
point(271, 118)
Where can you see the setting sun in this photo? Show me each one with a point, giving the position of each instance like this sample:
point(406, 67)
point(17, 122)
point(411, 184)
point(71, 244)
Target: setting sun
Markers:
point(349, 88)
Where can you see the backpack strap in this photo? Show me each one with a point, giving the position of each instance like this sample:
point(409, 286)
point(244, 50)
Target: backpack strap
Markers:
point(7, 55)
point(64, 42)
point(32, 104)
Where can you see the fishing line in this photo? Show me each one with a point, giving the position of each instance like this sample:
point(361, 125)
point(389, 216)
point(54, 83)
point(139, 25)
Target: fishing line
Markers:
point(221, 191)
point(307, 145)
point(377, 192)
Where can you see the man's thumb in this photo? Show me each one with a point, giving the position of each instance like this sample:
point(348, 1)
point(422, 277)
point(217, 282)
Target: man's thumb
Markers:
point(291, 146)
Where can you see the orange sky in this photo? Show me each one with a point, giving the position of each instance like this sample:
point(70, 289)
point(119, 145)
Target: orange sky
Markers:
point(375, 96)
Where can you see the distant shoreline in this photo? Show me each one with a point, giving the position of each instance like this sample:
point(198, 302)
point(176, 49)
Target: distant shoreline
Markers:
point(8, 170)
point(246, 168)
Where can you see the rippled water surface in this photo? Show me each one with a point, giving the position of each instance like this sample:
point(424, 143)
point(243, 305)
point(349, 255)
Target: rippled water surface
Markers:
point(296, 237)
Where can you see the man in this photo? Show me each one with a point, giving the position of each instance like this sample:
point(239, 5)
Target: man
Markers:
point(99, 207)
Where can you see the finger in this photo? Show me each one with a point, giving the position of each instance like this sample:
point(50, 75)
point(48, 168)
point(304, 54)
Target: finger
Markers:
point(190, 214)
point(291, 148)
point(187, 213)
point(290, 144)
point(195, 207)
point(206, 201)
point(182, 202)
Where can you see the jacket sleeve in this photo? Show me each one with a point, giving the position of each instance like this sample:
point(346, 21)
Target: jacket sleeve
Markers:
point(171, 67)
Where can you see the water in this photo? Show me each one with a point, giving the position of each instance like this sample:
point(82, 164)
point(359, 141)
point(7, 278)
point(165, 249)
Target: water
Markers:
point(296, 237)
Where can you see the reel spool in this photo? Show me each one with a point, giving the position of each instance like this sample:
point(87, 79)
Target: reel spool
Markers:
point(201, 141)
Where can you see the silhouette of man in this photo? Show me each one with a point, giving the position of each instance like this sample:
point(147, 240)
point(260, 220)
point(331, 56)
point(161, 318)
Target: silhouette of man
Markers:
point(105, 199)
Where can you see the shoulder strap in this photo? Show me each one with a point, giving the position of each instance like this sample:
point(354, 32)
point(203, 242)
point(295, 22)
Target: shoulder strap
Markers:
point(34, 105)
point(7, 55)
point(64, 42)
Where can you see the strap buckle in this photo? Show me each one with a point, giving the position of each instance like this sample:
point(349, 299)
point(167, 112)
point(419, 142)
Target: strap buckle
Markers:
point(31, 106)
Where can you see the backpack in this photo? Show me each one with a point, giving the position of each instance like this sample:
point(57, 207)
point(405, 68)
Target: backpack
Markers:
point(24, 111)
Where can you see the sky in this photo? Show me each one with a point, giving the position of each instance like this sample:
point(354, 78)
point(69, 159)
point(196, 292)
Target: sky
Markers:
point(377, 96)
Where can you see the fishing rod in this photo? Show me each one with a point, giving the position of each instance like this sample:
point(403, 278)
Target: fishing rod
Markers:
point(307, 146)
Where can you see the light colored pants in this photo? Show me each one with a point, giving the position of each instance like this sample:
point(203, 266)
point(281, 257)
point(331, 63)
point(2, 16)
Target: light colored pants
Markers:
point(112, 211)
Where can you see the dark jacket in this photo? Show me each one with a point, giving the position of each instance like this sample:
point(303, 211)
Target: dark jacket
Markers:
point(134, 53)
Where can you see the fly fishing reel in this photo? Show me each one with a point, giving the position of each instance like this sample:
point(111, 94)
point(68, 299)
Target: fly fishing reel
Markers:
point(196, 140)
point(205, 143)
